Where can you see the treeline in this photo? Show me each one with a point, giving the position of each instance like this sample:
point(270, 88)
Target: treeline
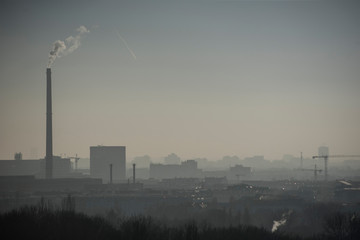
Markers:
point(46, 221)
point(35, 222)
point(307, 220)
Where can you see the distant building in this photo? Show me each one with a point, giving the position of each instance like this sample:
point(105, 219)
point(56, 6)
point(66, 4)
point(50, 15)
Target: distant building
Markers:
point(215, 182)
point(18, 156)
point(35, 167)
point(256, 162)
point(27, 184)
point(100, 159)
point(160, 171)
point(141, 173)
point(233, 173)
point(61, 167)
point(20, 167)
point(172, 159)
point(187, 169)
point(215, 174)
point(239, 171)
point(323, 151)
point(179, 183)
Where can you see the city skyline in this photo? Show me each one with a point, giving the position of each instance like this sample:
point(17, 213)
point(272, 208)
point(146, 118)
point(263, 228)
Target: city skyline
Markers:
point(200, 79)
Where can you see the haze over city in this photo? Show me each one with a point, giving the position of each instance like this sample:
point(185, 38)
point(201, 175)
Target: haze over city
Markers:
point(197, 78)
point(202, 120)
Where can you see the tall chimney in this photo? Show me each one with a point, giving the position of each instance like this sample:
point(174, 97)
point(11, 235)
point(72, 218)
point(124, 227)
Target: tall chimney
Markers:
point(49, 145)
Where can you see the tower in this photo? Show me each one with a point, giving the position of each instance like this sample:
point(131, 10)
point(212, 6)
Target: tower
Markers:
point(49, 145)
point(324, 153)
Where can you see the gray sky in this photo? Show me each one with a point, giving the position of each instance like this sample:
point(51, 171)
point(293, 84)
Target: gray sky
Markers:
point(198, 78)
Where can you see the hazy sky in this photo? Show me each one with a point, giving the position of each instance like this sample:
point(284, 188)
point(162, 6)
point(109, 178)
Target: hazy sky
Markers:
point(197, 78)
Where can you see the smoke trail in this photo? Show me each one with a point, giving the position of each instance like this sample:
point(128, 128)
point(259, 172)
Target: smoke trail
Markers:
point(126, 45)
point(61, 48)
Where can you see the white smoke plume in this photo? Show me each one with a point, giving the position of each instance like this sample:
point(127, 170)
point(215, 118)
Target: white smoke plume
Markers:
point(282, 221)
point(58, 48)
point(277, 224)
point(61, 48)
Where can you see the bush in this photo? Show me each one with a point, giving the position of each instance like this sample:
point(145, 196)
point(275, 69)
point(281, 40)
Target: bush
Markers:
point(34, 222)
point(342, 226)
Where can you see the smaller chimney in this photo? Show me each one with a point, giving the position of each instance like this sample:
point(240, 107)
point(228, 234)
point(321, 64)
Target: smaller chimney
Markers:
point(18, 156)
point(134, 172)
point(111, 181)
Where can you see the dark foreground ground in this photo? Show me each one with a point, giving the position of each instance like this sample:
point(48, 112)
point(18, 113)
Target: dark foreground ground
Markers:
point(43, 222)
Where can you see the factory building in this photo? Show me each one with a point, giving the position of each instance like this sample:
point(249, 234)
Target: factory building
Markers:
point(21, 167)
point(108, 163)
point(238, 171)
point(187, 169)
point(35, 167)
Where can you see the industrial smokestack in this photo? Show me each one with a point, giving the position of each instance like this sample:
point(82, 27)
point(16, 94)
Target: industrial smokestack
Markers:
point(49, 146)
point(134, 173)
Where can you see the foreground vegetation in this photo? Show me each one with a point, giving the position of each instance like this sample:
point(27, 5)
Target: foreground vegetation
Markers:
point(45, 221)
point(42, 223)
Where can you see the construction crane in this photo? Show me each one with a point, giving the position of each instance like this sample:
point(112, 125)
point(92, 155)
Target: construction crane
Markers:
point(316, 171)
point(76, 161)
point(326, 157)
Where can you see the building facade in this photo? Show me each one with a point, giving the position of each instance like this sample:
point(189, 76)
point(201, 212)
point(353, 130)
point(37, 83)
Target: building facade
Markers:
point(102, 157)
point(187, 169)
point(323, 151)
point(35, 167)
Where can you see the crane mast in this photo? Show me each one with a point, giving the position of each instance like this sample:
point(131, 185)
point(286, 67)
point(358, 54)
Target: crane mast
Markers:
point(76, 161)
point(326, 158)
point(315, 170)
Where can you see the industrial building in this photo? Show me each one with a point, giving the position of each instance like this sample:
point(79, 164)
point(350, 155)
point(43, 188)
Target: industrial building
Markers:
point(108, 163)
point(36, 167)
point(187, 169)
point(239, 171)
